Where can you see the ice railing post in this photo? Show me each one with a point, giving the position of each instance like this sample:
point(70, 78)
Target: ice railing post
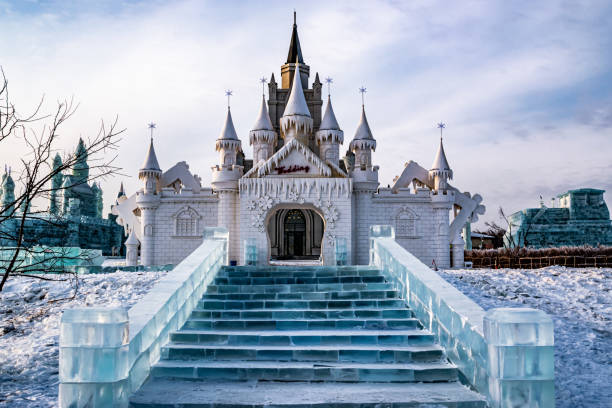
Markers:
point(505, 354)
point(219, 234)
point(102, 361)
point(520, 358)
point(340, 251)
point(379, 231)
point(93, 357)
point(250, 252)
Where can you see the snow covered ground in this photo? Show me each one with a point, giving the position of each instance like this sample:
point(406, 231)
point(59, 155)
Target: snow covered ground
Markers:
point(29, 328)
point(579, 300)
point(580, 303)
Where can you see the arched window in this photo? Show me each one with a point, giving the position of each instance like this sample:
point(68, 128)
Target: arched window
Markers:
point(228, 159)
point(329, 154)
point(186, 223)
point(405, 224)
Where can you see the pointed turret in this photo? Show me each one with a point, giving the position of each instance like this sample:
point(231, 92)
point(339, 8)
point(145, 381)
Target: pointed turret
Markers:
point(440, 164)
point(56, 185)
point(363, 134)
point(296, 121)
point(329, 121)
point(294, 58)
point(150, 171)
point(228, 132)
point(150, 163)
point(121, 191)
point(80, 169)
point(363, 143)
point(295, 51)
point(262, 137)
point(228, 143)
point(329, 136)
point(440, 171)
point(8, 190)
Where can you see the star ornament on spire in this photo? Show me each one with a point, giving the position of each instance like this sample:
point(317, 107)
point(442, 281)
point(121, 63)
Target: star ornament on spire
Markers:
point(362, 91)
point(228, 93)
point(263, 81)
point(152, 126)
point(329, 81)
point(441, 126)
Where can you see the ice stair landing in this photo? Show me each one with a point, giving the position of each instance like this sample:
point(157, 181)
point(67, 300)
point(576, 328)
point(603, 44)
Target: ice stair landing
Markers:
point(307, 337)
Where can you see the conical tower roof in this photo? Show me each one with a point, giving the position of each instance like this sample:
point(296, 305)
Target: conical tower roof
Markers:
point(295, 51)
point(263, 121)
point(150, 163)
point(121, 191)
point(329, 121)
point(363, 131)
point(296, 104)
point(228, 132)
point(440, 163)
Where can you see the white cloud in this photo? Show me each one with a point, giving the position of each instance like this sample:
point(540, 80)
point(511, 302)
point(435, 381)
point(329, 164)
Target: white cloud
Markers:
point(504, 76)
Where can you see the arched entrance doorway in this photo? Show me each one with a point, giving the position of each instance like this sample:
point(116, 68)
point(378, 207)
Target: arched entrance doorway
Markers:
point(295, 233)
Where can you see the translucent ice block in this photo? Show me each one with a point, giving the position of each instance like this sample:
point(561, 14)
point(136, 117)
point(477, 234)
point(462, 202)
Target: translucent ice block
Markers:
point(520, 357)
point(250, 251)
point(341, 251)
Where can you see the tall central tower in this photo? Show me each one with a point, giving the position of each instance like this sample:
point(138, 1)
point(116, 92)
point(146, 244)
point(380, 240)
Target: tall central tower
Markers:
point(278, 96)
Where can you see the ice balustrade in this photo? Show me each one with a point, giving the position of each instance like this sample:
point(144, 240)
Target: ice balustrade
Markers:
point(250, 252)
point(506, 354)
point(107, 353)
point(340, 251)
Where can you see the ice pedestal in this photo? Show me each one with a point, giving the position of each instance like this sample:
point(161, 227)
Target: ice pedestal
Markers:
point(341, 251)
point(250, 252)
point(93, 360)
point(379, 231)
point(101, 363)
point(520, 360)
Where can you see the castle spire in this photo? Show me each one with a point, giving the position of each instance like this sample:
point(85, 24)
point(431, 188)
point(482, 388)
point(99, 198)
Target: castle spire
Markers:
point(150, 163)
point(295, 52)
point(296, 104)
point(440, 163)
point(329, 121)
point(228, 132)
point(296, 121)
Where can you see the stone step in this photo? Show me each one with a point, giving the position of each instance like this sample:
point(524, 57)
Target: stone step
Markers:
point(327, 295)
point(302, 337)
point(296, 268)
point(164, 393)
point(337, 287)
point(305, 371)
point(296, 274)
point(369, 313)
point(303, 324)
point(298, 304)
point(298, 280)
point(335, 353)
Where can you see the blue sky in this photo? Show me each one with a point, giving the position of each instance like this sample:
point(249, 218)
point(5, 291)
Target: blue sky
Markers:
point(524, 87)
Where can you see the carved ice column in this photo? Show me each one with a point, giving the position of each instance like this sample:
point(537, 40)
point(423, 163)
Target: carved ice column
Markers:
point(147, 204)
point(227, 218)
point(131, 252)
point(457, 249)
point(442, 204)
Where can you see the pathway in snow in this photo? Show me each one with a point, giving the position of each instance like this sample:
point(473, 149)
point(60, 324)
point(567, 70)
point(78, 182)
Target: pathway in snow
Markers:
point(580, 303)
point(29, 328)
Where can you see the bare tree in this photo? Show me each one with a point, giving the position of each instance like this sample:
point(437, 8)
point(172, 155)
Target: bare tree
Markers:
point(496, 231)
point(39, 134)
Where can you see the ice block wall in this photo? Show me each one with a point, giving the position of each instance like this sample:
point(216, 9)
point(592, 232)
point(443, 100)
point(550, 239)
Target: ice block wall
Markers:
point(106, 354)
point(505, 354)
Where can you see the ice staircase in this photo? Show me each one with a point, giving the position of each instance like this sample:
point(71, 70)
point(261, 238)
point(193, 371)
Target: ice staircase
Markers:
point(307, 337)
